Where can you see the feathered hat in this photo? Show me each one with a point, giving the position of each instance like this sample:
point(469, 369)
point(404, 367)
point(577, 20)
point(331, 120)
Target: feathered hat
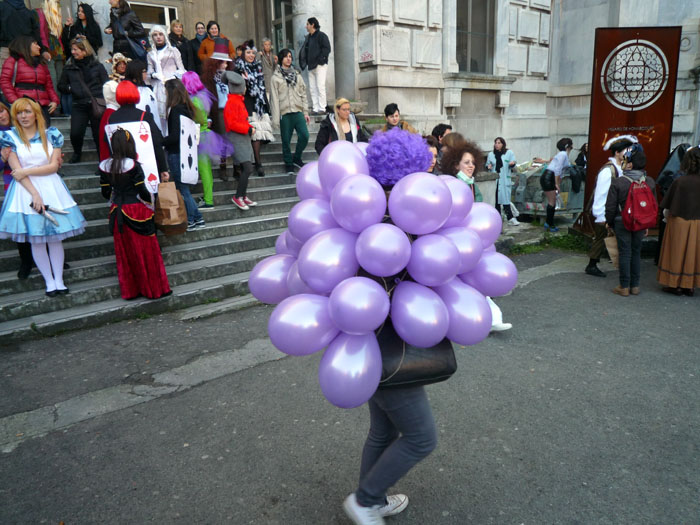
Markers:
point(620, 143)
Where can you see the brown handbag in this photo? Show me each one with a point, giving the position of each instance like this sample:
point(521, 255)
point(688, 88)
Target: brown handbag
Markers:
point(170, 212)
point(98, 105)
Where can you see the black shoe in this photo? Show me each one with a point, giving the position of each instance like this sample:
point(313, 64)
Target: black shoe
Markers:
point(23, 272)
point(299, 164)
point(672, 290)
point(289, 168)
point(259, 169)
point(595, 271)
point(65, 291)
point(52, 293)
point(74, 158)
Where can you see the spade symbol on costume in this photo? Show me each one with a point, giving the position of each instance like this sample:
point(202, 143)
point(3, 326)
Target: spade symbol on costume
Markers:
point(189, 141)
point(182, 132)
point(189, 160)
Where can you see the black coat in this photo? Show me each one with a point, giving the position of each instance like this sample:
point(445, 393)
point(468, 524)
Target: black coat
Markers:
point(130, 113)
point(172, 141)
point(315, 50)
point(131, 25)
point(92, 32)
point(327, 134)
point(92, 73)
point(194, 47)
point(17, 21)
point(185, 49)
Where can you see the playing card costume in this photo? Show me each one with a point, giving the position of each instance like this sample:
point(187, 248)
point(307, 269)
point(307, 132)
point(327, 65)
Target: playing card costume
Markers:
point(140, 266)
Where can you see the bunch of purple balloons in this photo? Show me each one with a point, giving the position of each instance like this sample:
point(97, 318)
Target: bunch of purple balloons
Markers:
point(337, 228)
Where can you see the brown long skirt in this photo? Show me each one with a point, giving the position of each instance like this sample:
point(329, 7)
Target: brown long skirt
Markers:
point(679, 263)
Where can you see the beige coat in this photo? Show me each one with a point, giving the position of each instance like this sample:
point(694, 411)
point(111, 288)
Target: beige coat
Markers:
point(285, 98)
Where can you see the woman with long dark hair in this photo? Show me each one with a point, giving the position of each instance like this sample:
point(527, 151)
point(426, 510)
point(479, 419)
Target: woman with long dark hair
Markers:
point(25, 73)
point(85, 25)
point(121, 14)
point(550, 180)
point(256, 101)
point(502, 161)
point(38, 190)
point(140, 267)
point(178, 104)
point(137, 73)
point(83, 78)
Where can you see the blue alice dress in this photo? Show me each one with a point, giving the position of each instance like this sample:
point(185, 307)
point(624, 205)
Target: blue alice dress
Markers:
point(18, 220)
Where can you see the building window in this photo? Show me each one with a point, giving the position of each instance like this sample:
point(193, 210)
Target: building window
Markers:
point(154, 14)
point(282, 34)
point(475, 35)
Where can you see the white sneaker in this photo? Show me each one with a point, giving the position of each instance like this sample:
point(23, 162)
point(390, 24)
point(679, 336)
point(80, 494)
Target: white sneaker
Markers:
point(362, 515)
point(514, 222)
point(501, 327)
point(394, 504)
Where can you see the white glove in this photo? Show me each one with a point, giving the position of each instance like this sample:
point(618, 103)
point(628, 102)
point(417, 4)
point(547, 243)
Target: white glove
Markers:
point(158, 76)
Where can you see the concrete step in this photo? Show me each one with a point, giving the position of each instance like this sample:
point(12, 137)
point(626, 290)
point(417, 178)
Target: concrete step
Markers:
point(90, 180)
point(113, 310)
point(268, 217)
point(35, 302)
point(101, 267)
point(270, 153)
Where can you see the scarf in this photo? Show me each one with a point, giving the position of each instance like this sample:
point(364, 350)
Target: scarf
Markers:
point(200, 37)
point(255, 83)
point(290, 75)
point(499, 160)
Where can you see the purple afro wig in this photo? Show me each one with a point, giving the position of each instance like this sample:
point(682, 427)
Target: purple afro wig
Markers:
point(393, 154)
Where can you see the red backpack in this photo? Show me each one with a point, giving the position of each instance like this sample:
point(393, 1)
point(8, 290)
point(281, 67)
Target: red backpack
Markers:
point(641, 210)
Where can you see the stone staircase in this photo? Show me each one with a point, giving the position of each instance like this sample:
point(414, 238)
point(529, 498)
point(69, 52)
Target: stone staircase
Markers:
point(208, 265)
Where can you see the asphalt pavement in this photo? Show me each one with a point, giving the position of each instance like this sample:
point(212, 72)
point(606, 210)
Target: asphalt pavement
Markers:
point(585, 412)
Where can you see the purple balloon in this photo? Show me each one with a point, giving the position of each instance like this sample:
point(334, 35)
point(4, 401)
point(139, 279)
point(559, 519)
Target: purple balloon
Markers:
point(293, 244)
point(470, 314)
point(268, 280)
point(327, 259)
point(383, 250)
point(468, 245)
point(357, 202)
point(434, 260)
point(485, 220)
point(309, 217)
point(418, 314)
point(420, 203)
point(358, 305)
point(462, 200)
point(362, 146)
point(350, 370)
point(281, 245)
point(494, 275)
point(490, 248)
point(339, 160)
point(300, 325)
point(295, 285)
point(308, 183)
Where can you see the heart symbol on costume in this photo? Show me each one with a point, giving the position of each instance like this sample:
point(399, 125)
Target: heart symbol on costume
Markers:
point(144, 137)
point(152, 178)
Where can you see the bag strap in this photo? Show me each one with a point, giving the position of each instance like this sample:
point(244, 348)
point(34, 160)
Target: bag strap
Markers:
point(82, 81)
point(143, 113)
point(403, 356)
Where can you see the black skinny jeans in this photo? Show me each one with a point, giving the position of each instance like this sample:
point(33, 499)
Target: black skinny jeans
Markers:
point(629, 246)
point(80, 118)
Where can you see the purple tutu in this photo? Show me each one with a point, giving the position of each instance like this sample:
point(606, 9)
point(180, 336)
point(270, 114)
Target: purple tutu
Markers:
point(214, 145)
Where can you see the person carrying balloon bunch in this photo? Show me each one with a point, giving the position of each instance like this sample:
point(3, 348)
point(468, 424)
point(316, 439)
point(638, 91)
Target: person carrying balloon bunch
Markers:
point(140, 267)
point(424, 271)
point(239, 132)
point(212, 146)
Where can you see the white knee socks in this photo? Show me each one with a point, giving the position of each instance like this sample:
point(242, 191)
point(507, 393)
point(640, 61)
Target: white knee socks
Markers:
point(45, 261)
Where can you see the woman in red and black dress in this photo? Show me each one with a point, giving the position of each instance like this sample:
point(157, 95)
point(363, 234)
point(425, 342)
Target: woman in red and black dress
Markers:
point(140, 265)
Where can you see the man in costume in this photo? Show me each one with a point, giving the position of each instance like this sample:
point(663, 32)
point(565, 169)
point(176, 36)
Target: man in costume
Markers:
point(610, 170)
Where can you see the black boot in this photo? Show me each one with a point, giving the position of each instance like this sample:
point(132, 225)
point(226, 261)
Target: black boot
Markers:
point(549, 225)
point(26, 260)
point(75, 158)
point(259, 169)
point(592, 269)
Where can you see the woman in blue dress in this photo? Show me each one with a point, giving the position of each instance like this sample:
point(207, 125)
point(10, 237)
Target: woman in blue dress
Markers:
point(38, 207)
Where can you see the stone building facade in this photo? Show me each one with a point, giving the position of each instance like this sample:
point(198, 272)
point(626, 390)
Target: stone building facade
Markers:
point(520, 69)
